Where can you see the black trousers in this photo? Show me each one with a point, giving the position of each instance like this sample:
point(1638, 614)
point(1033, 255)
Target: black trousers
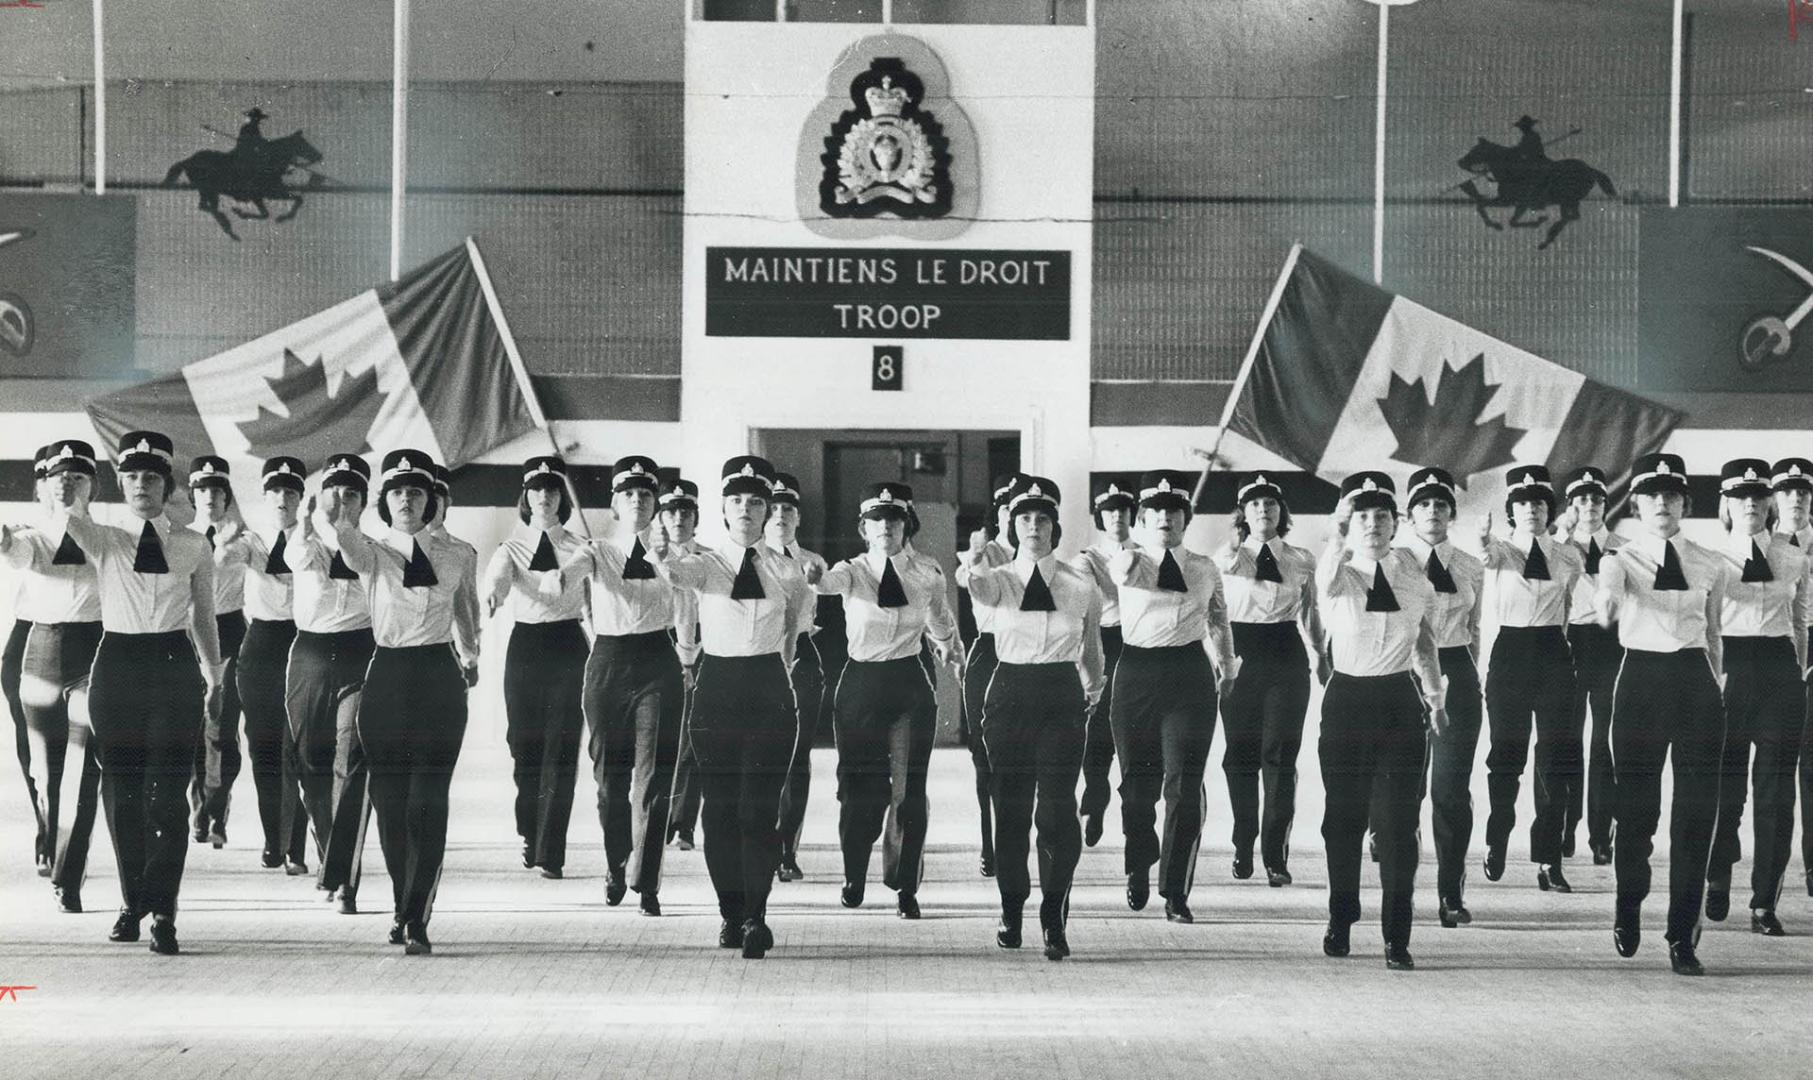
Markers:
point(885, 719)
point(635, 709)
point(264, 659)
point(1164, 724)
point(54, 695)
point(1034, 724)
point(1666, 701)
point(1597, 656)
point(1372, 746)
point(744, 729)
point(412, 719)
point(544, 678)
point(1451, 754)
point(217, 758)
point(978, 671)
point(321, 697)
point(1531, 677)
point(146, 697)
point(1764, 707)
point(1263, 720)
point(1098, 742)
point(808, 679)
point(11, 665)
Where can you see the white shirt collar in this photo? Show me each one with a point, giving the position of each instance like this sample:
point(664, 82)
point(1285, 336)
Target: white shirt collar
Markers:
point(1739, 544)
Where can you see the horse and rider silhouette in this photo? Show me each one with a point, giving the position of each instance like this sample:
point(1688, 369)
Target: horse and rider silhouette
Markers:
point(1528, 180)
point(252, 172)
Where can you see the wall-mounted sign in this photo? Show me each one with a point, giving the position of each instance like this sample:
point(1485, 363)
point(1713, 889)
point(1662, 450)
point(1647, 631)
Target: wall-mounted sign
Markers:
point(896, 292)
point(67, 301)
point(888, 370)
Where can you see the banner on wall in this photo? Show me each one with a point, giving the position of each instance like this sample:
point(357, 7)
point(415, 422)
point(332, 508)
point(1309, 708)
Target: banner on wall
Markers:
point(1723, 300)
point(1347, 376)
point(425, 362)
point(66, 285)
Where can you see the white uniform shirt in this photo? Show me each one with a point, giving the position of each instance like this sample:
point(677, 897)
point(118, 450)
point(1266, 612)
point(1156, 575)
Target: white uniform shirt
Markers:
point(325, 604)
point(1155, 618)
point(877, 633)
point(1582, 604)
point(1453, 617)
point(52, 593)
point(636, 606)
point(135, 603)
point(268, 597)
point(1521, 602)
point(730, 627)
point(1668, 620)
point(1775, 608)
point(803, 558)
point(1093, 561)
point(1253, 601)
point(404, 616)
point(1372, 643)
point(536, 596)
point(1070, 634)
point(229, 581)
point(994, 553)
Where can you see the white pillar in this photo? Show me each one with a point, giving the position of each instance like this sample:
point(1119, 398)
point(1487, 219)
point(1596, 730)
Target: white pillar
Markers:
point(100, 99)
point(1674, 107)
point(399, 128)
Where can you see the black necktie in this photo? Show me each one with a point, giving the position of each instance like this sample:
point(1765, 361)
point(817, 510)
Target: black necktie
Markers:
point(1536, 565)
point(1593, 554)
point(150, 557)
point(748, 585)
point(1756, 568)
point(787, 553)
point(637, 568)
point(419, 573)
point(69, 553)
point(339, 571)
point(1668, 576)
point(890, 593)
point(1038, 594)
point(1380, 597)
point(543, 559)
point(1170, 575)
point(210, 535)
point(1439, 575)
point(274, 564)
point(1266, 568)
point(1794, 538)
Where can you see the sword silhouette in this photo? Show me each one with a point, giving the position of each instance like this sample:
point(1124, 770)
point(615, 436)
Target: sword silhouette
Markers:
point(1768, 338)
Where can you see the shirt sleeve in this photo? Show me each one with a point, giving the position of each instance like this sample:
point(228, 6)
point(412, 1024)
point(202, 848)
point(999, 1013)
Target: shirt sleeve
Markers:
point(940, 622)
point(838, 580)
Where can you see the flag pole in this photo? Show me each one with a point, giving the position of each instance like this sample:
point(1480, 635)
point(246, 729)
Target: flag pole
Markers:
point(100, 98)
point(399, 128)
point(1246, 367)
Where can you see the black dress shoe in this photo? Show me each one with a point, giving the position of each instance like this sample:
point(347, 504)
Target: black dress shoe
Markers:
point(349, 902)
point(163, 936)
point(1682, 959)
point(1494, 862)
point(1397, 958)
point(1718, 904)
point(1056, 948)
point(1627, 935)
point(650, 905)
point(987, 869)
point(198, 832)
point(1336, 940)
point(683, 840)
point(1277, 877)
point(552, 873)
point(757, 939)
point(1007, 933)
point(614, 886)
point(1243, 865)
point(1567, 844)
point(730, 934)
point(125, 928)
point(1766, 924)
point(1602, 854)
point(528, 855)
point(295, 867)
point(908, 905)
point(43, 866)
point(69, 901)
point(1092, 829)
point(788, 869)
point(1139, 890)
point(396, 933)
point(217, 836)
point(1549, 876)
point(271, 860)
point(851, 894)
point(415, 940)
point(1178, 911)
point(1454, 915)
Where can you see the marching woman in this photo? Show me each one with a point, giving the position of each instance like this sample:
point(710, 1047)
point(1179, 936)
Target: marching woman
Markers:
point(1377, 606)
point(884, 710)
point(678, 519)
point(1667, 596)
point(1112, 508)
point(412, 713)
point(979, 665)
point(63, 595)
point(1271, 597)
point(1174, 617)
point(545, 661)
point(1597, 656)
point(217, 758)
point(1530, 675)
point(807, 674)
point(264, 658)
point(157, 608)
point(1459, 583)
point(1791, 483)
point(1046, 618)
point(634, 695)
point(753, 604)
point(326, 672)
point(1764, 621)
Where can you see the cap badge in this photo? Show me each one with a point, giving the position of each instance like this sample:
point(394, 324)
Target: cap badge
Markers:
point(143, 447)
point(1034, 491)
point(1164, 484)
point(1260, 479)
point(748, 470)
point(284, 468)
point(544, 468)
point(69, 452)
point(1794, 470)
point(1750, 473)
point(1589, 477)
point(1662, 468)
point(887, 495)
point(1369, 484)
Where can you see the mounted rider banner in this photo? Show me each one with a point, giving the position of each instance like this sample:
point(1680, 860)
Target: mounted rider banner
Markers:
point(1541, 192)
point(256, 172)
point(67, 265)
point(1724, 296)
point(1348, 376)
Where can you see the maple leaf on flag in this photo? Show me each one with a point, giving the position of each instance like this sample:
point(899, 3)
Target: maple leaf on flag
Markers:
point(318, 424)
point(1447, 432)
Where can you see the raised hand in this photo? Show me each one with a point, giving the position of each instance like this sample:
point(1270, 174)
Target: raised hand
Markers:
point(813, 571)
point(1485, 529)
point(977, 541)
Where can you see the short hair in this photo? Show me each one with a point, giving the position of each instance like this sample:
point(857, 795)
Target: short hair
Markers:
point(1770, 517)
point(1243, 530)
point(428, 512)
point(566, 505)
point(1541, 495)
point(1057, 530)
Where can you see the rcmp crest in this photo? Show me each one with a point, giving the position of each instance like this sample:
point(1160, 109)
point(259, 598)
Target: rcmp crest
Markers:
point(887, 155)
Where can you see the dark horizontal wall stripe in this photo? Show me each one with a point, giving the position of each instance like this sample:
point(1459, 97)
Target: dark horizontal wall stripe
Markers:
point(608, 397)
point(1156, 404)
